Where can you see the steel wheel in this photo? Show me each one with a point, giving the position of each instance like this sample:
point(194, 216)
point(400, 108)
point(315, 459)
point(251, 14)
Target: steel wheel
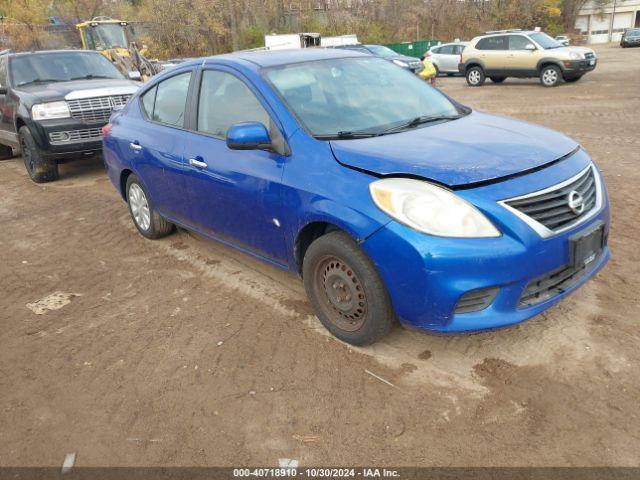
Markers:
point(342, 296)
point(139, 206)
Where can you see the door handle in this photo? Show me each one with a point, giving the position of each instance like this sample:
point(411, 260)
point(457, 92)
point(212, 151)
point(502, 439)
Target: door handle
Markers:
point(135, 146)
point(197, 163)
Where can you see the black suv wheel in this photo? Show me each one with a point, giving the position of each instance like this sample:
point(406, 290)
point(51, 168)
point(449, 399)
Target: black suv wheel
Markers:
point(39, 169)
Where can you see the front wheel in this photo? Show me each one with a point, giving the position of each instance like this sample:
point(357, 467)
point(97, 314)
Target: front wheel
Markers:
point(40, 170)
point(346, 290)
point(550, 76)
point(146, 218)
point(475, 77)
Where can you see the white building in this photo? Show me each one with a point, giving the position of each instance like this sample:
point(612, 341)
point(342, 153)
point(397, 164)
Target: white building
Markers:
point(606, 23)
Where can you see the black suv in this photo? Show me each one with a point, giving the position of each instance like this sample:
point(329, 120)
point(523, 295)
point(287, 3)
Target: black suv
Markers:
point(408, 63)
point(630, 38)
point(53, 105)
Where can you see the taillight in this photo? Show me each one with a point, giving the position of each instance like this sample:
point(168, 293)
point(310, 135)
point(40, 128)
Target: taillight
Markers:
point(106, 129)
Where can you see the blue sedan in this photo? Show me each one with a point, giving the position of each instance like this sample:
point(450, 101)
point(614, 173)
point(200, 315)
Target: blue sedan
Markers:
point(393, 201)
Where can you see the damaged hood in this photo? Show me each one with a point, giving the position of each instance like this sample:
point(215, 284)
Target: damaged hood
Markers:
point(475, 148)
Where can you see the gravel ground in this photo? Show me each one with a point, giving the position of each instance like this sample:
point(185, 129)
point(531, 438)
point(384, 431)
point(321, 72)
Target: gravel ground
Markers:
point(185, 352)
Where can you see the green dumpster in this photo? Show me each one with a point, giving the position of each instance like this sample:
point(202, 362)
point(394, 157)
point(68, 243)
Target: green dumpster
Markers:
point(413, 49)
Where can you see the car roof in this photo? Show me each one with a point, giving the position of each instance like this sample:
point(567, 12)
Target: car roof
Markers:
point(49, 52)
point(273, 58)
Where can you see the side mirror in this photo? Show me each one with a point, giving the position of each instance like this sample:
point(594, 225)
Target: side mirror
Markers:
point(248, 136)
point(3, 90)
point(530, 46)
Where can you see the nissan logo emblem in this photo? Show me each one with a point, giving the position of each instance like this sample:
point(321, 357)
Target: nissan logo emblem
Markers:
point(576, 202)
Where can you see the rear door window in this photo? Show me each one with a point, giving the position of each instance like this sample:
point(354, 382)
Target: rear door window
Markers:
point(446, 50)
point(167, 102)
point(493, 43)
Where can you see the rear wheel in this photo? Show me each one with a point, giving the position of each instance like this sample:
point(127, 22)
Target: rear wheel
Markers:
point(550, 76)
point(6, 152)
point(40, 170)
point(346, 290)
point(497, 79)
point(146, 218)
point(475, 77)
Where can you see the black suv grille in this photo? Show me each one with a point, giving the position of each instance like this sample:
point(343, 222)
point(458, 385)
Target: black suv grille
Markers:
point(551, 284)
point(557, 208)
point(97, 109)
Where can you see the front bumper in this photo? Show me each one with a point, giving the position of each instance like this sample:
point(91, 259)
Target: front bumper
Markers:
point(426, 275)
point(67, 138)
point(579, 66)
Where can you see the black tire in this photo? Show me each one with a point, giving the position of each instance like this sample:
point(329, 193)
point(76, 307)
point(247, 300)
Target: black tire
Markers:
point(40, 170)
point(573, 79)
point(6, 152)
point(498, 79)
point(157, 227)
point(335, 265)
point(475, 77)
point(550, 76)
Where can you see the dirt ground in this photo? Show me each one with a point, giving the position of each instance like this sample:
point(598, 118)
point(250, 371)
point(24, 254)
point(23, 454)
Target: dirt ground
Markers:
point(184, 352)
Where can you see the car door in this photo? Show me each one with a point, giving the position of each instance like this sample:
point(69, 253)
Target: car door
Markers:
point(521, 60)
point(493, 52)
point(156, 145)
point(445, 59)
point(234, 194)
point(7, 129)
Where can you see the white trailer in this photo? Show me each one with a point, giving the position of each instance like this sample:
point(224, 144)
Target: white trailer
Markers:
point(292, 40)
point(351, 39)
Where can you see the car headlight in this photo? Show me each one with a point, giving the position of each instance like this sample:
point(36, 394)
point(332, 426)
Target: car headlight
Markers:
point(575, 55)
point(400, 63)
point(50, 110)
point(430, 209)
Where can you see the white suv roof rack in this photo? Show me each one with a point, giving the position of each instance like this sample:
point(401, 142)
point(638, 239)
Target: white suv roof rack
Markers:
point(511, 30)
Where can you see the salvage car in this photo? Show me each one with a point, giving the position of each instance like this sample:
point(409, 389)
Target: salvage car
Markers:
point(53, 105)
point(393, 201)
point(524, 54)
point(408, 63)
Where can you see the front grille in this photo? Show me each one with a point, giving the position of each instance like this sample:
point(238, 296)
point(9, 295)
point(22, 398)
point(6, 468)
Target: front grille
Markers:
point(97, 109)
point(551, 284)
point(69, 136)
point(476, 300)
point(558, 208)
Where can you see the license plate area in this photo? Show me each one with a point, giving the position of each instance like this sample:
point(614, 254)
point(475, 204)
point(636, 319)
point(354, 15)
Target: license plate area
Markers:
point(586, 246)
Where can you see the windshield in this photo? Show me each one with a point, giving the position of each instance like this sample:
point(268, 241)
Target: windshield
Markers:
point(60, 67)
point(380, 51)
point(106, 35)
point(545, 41)
point(356, 95)
point(633, 32)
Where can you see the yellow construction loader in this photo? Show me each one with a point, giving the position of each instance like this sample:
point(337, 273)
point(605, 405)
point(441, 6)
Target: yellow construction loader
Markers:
point(113, 38)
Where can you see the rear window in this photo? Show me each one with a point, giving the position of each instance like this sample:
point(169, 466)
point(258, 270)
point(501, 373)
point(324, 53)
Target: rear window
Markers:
point(166, 103)
point(493, 43)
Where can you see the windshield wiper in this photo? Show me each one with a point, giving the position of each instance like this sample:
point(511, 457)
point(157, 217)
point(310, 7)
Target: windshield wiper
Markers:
point(39, 80)
point(344, 135)
point(90, 77)
point(414, 122)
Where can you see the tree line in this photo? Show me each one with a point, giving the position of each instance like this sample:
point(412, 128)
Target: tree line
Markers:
point(185, 28)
